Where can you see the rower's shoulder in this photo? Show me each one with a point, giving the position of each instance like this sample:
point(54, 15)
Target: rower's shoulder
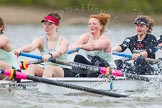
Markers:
point(151, 36)
point(85, 34)
point(3, 37)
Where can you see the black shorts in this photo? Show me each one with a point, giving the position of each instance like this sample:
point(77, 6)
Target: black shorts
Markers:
point(69, 73)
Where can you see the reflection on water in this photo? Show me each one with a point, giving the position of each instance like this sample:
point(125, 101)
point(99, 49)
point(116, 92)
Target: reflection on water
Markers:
point(24, 34)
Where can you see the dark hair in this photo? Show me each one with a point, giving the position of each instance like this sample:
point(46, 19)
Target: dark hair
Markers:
point(149, 22)
point(56, 15)
point(1, 25)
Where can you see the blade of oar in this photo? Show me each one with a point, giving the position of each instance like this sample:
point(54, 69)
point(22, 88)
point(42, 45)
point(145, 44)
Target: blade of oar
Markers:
point(20, 75)
point(102, 70)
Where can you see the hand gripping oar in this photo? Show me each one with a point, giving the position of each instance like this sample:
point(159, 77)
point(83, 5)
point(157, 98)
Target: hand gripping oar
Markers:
point(102, 70)
point(137, 77)
point(26, 63)
point(129, 55)
point(138, 58)
point(156, 48)
point(20, 75)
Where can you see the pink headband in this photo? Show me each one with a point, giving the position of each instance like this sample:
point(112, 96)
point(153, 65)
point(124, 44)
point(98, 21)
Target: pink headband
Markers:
point(51, 19)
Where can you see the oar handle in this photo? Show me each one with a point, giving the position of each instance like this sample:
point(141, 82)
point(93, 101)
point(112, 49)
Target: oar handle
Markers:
point(122, 55)
point(129, 55)
point(72, 51)
point(138, 58)
point(30, 55)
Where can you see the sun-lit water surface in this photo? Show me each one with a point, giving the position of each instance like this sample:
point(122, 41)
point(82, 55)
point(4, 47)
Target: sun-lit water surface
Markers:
point(24, 34)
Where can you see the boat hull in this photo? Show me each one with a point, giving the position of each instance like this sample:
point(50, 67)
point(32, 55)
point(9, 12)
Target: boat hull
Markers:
point(118, 84)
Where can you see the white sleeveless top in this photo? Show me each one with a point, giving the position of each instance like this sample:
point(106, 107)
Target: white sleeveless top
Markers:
point(47, 51)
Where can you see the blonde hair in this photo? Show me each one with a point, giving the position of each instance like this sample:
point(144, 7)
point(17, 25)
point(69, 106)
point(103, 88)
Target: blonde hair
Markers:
point(149, 20)
point(103, 19)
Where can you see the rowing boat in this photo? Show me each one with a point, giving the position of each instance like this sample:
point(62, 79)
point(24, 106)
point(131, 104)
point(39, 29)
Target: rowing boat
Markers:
point(100, 86)
point(117, 84)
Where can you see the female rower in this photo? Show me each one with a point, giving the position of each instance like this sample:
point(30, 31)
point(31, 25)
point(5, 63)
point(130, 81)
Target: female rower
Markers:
point(7, 57)
point(96, 44)
point(52, 45)
point(142, 44)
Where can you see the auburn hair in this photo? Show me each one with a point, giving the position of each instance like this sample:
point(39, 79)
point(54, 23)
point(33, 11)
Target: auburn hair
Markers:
point(103, 19)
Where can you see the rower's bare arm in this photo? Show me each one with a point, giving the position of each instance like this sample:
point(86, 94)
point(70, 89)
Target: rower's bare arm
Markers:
point(83, 39)
point(143, 54)
point(28, 48)
point(3, 41)
point(117, 49)
point(159, 46)
point(101, 44)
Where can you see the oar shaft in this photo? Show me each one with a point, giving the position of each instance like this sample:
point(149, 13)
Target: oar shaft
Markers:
point(79, 65)
point(76, 87)
point(102, 70)
point(74, 64)
point(63, 84)
point(152, 60)
point(138, 77)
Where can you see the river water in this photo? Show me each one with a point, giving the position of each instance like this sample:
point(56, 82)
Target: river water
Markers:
point(24, 34)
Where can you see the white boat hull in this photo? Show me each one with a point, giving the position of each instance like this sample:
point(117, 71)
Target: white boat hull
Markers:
point(120, 84)
point(116, 86)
